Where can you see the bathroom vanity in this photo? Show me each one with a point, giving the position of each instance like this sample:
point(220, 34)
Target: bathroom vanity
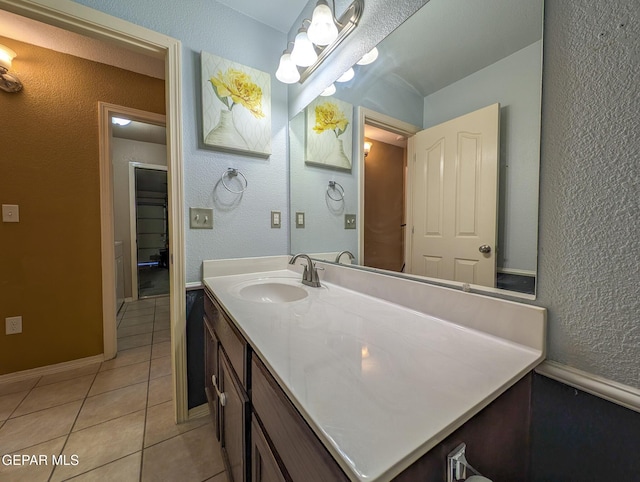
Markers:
point(368, 377)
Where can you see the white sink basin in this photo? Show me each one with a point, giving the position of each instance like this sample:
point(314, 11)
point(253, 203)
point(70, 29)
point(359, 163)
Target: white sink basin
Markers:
point(267, 290)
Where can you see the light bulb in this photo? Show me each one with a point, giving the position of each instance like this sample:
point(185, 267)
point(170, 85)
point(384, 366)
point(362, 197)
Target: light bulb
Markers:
point(347, 76)
point(322, 30)
point(119, 121)
point(287, 71)
point(303, 53)
point(369, 57)
point(329, 91)
point(6, 56)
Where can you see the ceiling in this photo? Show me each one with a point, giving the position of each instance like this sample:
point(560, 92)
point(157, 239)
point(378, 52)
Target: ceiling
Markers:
point(279, 14)
point(54, 38)
point(448, 40)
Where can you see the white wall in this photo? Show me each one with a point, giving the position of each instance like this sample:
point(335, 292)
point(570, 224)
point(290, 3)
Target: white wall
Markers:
point(123, 152)
point(514, 82)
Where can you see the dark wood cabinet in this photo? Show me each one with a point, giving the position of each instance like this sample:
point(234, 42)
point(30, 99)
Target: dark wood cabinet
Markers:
point(264, 465)
point(234, 414)
point(211, 374)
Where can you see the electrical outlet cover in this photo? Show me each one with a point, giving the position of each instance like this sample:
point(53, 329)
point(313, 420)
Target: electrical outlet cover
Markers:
point(13, 325)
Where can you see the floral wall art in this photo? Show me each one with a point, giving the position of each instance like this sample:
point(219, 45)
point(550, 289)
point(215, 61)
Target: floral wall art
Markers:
point(236, 106)
point(329, 139)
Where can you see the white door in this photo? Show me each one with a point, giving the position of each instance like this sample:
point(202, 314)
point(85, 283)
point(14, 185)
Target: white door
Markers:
point(454, 199)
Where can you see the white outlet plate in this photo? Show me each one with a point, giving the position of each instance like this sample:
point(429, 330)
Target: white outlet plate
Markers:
point(10, 213)
point(275, 219)
point(201, 218)
point(299, 219)
point(13, 325)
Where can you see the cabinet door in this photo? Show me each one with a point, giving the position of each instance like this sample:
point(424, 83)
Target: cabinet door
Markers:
point(264, 467)
point(234, 414)
point(211, 375)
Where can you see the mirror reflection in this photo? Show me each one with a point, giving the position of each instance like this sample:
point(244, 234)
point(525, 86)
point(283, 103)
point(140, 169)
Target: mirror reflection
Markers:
point(449, 186)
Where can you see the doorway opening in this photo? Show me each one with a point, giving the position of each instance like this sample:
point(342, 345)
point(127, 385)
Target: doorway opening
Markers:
point(149, 230)
point(385, 174)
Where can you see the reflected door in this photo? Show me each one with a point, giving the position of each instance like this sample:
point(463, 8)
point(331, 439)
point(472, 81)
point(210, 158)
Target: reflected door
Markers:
point(454, 199)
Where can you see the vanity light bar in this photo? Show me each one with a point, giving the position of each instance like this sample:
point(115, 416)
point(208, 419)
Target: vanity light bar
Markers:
point(346, 24)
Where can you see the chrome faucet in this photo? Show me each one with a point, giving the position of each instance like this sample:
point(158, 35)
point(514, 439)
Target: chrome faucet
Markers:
point(351, 256)
point(310, 273)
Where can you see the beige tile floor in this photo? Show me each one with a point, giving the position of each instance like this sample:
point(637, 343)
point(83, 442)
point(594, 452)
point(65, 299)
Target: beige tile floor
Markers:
point(112, 421)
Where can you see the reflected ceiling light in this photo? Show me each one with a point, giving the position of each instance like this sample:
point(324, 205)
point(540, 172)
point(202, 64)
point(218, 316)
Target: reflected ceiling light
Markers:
point(366, 148)
point(329, 91)
point(347, 76)
point(322, 30)
point(287, 72)
point(8, 82)
point(119, 121)
point(369, 57)
point(303, 53)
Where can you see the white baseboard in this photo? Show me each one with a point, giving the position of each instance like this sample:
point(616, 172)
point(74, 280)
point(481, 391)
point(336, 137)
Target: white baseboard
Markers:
point(199, 411)
point(618, 393)
point(50, 369)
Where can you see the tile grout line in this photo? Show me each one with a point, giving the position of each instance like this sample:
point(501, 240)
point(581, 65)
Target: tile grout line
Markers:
point(146, 405)
point(75, 420)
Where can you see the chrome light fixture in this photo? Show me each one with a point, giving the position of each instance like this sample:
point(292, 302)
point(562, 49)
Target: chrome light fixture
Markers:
point(347, 76)
point(366, 148)
point(287, 72)
point(329, 91)
point(303, 54)
point(8, 82)
point(322, 30)
point(323, 35)
point(369, 57)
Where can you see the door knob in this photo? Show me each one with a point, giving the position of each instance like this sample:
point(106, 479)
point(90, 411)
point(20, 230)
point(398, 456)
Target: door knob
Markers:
point(484, 249)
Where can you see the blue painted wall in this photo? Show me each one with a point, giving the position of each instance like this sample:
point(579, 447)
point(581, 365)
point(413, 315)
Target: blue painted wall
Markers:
point(241, 223)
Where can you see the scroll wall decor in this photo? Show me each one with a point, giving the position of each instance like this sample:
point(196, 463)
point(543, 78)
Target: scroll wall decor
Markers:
point(236, 106)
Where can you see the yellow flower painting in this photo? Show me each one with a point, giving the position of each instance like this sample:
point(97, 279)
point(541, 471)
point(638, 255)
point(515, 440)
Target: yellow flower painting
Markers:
point(330, 117)
point(329, 140)
point(235, 87)
point(236, 106)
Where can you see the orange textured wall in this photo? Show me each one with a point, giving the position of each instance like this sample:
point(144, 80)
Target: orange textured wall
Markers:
point(50, 271)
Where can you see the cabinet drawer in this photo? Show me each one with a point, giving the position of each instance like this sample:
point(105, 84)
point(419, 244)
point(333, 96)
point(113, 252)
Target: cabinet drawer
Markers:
point(301, 452)
point(232, 342)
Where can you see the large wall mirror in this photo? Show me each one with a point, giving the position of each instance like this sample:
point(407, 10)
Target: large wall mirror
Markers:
point(448, 191)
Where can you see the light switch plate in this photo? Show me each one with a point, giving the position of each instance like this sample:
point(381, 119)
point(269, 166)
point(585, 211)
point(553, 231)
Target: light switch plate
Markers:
point(200, 218)
point(299, 219)
point(13, 325)
point(10, 213)
point(349, 221)
point(275, 219)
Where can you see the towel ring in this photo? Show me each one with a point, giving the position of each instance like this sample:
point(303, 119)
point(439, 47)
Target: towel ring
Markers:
point(339, 188)
point(232, 172)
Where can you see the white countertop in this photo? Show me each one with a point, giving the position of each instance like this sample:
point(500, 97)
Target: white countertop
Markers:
point(379, 383)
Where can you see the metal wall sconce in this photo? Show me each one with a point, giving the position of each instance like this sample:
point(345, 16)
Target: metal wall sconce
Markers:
point(8, 82)
point(366, 148)
point(313, 44)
